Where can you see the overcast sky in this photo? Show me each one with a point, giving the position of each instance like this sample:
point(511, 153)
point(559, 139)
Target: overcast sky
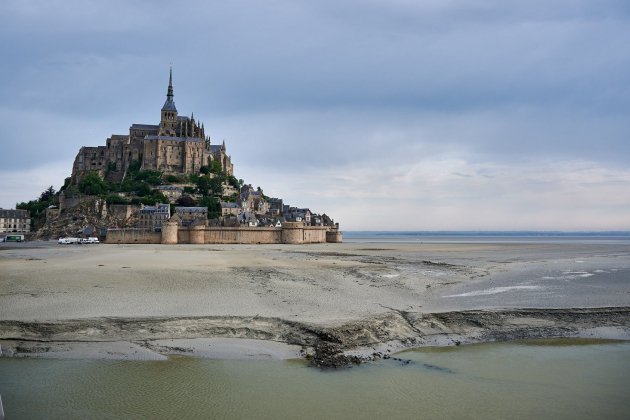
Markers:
point(386, 115)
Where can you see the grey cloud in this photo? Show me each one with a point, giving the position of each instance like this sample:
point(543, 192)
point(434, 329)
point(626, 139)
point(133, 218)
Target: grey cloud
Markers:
point(300, 87)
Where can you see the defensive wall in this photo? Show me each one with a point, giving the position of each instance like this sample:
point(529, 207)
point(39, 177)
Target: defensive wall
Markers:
point(133, 236)
point(172, 233)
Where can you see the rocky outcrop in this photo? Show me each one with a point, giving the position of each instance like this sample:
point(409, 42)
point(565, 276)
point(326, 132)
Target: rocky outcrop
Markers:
point(332, 346)
point(89, 212)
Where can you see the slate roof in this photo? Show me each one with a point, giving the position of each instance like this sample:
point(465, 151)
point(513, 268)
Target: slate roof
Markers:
point(191, 209)
point(160, 208)
point(169, 105)
point(193, 139)
point(14, 214)
point(169, 188)
point(145, 126)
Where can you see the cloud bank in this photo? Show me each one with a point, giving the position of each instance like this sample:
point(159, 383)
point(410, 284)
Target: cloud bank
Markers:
point(385, 115)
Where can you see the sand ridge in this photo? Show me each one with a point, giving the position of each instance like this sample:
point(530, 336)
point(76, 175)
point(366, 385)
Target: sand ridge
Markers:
point(328, 299)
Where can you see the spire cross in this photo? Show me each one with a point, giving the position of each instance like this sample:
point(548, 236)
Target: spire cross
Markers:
point(169, 93)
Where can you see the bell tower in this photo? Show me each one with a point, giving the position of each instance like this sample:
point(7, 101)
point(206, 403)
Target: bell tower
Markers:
point(168, 117)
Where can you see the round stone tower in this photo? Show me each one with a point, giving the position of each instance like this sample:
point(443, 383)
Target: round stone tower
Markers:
point(197, 234)
point(169, 233)
point(334, 236)
point(292, 232)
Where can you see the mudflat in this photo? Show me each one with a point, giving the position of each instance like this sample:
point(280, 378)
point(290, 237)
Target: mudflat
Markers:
point(335, 303)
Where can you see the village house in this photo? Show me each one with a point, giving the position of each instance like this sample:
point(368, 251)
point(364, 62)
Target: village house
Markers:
point(172, 192)
point(253, 200)
point(229, 208)
point(192, 215)
point(275, 206)
point(228, 190)
point(316, 220)
point(295, 214)
point(15, 220)
point(248, 218)
point(153, 217)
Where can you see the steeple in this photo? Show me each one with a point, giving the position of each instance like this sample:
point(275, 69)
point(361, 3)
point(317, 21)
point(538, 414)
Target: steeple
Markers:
point(169, 105)
point(168, 120)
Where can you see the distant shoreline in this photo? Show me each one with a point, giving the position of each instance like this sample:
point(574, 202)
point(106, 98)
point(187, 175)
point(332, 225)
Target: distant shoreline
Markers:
point(491, 233)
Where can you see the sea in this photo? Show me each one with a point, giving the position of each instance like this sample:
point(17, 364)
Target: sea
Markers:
point(602, 237)
point(541, 379)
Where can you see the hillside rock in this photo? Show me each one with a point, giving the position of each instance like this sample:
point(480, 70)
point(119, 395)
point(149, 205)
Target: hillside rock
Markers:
point(89, 212)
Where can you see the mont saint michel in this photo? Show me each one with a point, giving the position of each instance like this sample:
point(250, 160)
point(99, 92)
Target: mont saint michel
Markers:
point(168, 183)
point(178, 145)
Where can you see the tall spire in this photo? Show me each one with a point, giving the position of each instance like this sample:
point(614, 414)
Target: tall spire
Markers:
point(169, 94)
point(169, 105)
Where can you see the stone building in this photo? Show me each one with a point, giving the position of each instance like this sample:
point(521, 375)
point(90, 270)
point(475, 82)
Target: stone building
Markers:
point(15, 220)
point(253, 200)
point(177, 145)
point(229, 208)
point(275, 206)
point(172, 192)
point(192, 215)
point(153, 217)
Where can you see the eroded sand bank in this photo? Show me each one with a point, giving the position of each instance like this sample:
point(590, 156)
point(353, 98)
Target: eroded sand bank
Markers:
point(328, 301)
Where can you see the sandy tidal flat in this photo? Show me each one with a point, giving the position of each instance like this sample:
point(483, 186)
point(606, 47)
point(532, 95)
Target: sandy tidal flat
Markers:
point(348, 295)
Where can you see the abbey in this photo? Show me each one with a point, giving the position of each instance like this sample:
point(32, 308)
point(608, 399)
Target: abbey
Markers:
point(177, 145)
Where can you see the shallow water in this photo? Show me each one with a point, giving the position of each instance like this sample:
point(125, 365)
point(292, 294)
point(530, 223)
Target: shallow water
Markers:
point(540, 379)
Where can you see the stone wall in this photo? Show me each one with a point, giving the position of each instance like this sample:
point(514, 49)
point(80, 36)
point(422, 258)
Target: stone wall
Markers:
point(68, 201)
point(123, 211)
point(242, 235)
point(314, 235)
point(291, 233)
point(334, 236)
point(133, 236)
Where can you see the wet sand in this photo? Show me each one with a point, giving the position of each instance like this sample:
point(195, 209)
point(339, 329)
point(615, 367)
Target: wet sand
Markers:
point(351, 299)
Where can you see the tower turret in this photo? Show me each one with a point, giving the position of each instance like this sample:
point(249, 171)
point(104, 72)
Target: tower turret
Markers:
point(168, 120)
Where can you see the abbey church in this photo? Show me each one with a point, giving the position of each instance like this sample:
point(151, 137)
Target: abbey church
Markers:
point(177, 145)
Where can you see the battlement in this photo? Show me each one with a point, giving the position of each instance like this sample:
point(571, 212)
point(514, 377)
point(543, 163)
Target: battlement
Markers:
point(172, 233)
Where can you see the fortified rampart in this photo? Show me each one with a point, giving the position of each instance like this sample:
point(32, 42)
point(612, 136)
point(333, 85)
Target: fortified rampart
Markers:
point(133, 236)
point(172, 233)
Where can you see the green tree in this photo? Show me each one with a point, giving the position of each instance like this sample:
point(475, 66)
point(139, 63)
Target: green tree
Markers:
point(66, 184)
point(48, 194)
point(213, 205)
point(149, 176)
point(37, 208)
point(172, 178)
point(215, 167)
point(216, 186)
point(186, 201)
point(203, 184)
point(116, 199)
point(92, 184)
point(236, 183)
point(142, 189)
point(155, 197)
point(134, 166)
